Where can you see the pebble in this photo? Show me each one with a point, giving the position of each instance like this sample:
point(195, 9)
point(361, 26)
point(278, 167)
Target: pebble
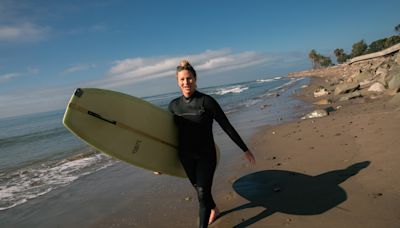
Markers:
point(376, 195)
point(277, 189)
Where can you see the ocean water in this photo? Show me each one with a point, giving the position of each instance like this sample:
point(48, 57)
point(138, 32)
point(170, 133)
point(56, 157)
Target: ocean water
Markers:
point(39, 155)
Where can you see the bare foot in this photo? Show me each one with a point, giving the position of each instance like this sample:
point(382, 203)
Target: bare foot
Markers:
point(213, 215)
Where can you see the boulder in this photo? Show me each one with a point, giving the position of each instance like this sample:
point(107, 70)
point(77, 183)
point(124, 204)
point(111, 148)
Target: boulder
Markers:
point(365, 84)
point(382, 79)
point(323, 102)
point(395, 100)
point(350, 96)
point(315, 114)
point(391, 92)
point(320, 91)
point(365, 75)
point(364, 93)
point(382, 71)
point(350, 80)
point(394, 82)
point(397, 59)
point(346, 88)
point(377, 87)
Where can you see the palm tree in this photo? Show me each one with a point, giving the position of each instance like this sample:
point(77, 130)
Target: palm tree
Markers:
point(314, 57)
point(341, 56)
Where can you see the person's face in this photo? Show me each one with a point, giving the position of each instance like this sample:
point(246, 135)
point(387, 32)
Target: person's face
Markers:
point(186, 82)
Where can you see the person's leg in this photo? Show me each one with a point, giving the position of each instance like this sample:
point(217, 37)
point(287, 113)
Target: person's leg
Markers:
point(200, 173)
point(204, 175)
point(213, 215)
point(189, 165)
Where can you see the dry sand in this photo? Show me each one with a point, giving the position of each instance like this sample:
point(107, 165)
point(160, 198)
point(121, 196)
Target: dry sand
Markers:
point(336, 171)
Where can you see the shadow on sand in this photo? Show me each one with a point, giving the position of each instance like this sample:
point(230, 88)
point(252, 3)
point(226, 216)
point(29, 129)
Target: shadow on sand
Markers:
point(292, 193)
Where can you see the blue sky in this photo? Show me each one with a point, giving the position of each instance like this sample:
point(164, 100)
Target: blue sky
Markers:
point(49, 48)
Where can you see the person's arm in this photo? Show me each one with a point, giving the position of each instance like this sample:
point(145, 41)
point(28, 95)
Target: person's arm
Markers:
point(223, 121)
point(220, 117)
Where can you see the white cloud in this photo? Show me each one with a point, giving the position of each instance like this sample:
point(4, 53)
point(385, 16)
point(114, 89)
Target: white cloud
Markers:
point(77, 68)
point(128, 71)
point(235, 61)
point(23, 32)
point(9, 76)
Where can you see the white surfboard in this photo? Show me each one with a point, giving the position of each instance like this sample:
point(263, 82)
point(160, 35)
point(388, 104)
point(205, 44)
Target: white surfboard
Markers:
point(125, 127)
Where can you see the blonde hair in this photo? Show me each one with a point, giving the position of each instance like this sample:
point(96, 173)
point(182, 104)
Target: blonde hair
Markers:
point(185, 65)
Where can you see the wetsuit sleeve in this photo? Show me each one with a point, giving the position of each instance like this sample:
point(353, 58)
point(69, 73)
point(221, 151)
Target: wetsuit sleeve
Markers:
point(170, 107)
point(220, 117)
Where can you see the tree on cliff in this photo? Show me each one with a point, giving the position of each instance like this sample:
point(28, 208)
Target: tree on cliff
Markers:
point(381, 44)
point(358, 49)
point(319, 60)
point(341, 56)
point(397, 28)
point(313, 56)
point(325, 61)
point(392, 41)
point(377, 45)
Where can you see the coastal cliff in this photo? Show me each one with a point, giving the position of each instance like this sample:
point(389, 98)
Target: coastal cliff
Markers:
point(369, 76)
point(368, 62)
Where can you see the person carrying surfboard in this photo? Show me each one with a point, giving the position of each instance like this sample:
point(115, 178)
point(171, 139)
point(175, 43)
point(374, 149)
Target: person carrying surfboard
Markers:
point(194, 113)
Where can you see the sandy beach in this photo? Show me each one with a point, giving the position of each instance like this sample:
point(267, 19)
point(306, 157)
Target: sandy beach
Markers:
point(339, 170)
point(336, 171)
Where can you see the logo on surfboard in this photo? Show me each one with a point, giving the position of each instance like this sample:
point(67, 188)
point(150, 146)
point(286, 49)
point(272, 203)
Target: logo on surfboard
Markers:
point(137, 146)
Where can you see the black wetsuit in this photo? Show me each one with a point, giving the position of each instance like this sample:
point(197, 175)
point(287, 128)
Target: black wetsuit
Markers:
point(194, 117)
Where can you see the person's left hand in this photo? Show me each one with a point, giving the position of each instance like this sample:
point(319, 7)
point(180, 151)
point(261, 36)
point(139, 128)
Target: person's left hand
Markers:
point(250, 157)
